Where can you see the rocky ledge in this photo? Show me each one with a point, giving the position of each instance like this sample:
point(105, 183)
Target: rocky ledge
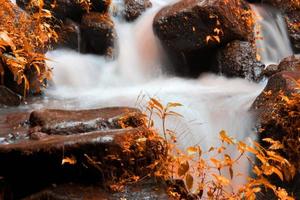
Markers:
point(100, 147)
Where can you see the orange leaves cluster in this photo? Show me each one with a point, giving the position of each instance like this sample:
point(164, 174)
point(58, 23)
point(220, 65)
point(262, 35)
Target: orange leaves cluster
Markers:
point(22, 38)
point(286, 115)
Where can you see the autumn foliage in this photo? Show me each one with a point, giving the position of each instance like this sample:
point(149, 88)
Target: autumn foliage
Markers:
point(23, 39)
point(210, 173)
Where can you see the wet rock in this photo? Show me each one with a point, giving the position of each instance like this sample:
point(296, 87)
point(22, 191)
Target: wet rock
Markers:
point(61, 9)
point(186, 25)
point(64, 122)
point(291, 63)
point(144, 190)
point(8, 97)
point(103, 155)
point(13, 123)
point(69, 35)
point(238, 59)
point(98, 34)
point(191, 30)
point(134, 8)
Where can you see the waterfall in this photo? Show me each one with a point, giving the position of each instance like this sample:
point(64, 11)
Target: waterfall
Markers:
point(272, 38)
point(211, 103)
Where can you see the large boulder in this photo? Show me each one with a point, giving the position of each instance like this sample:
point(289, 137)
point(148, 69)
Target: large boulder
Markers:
point(69, 35)
point(192, 29)
point(134, 8)
point(291, 63)
point(238, 59)
point(66, 122)
point(101, 146)
point(98, 34)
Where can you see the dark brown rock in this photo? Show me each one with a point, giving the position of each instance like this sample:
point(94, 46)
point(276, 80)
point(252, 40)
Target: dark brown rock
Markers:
point(187, 25)
point(8, 97)
point(143, 190)
point(104, 156)
point(61, 9)
point(64, 122)
point(134, 8)
point(69, 35)
point(98, 34)
point(238, 59)
point(291, 63)
point(191, 31)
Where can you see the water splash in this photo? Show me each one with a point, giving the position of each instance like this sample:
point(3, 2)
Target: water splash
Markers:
point(272, 41)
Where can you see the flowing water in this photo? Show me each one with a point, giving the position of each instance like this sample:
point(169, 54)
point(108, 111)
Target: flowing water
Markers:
point(211, 103)
point(271, 32)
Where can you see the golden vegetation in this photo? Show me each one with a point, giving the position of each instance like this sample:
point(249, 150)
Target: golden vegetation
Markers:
point(210, 173)
point(22, 41)
point(286, 121)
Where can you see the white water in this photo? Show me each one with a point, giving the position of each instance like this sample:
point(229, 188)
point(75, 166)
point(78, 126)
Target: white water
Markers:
point(211, 103)
point(272, 37)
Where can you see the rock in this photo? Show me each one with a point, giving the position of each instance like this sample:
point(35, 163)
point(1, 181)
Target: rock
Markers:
point(64, 122)
point(238, 59)
point(98, 34)
point(8, 97)
point(13, 124)
point(291, 63)
point(278, 108)
point(186, 25)
point(284, 5)
point(100, 156)
point(134, 8)
point(192, 30)
point(143, 190)
point(61, 9)
point(69, 35)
